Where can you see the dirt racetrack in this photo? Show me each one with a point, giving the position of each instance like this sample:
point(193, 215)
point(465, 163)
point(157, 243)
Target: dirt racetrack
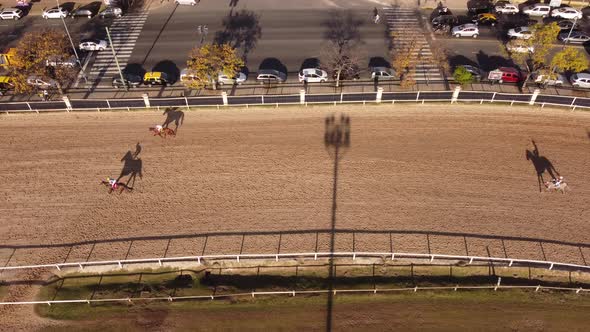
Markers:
point(425, 178)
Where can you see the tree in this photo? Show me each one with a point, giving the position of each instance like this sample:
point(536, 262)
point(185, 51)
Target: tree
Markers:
point(440, 59)
point(34, 51)
point(462, 76)
point(403, 62)
point(207, 61)
point(341, 62)
point(540, 44)
point(569, 59)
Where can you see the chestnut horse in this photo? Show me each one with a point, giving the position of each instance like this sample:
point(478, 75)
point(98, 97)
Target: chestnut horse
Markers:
point(164, 132)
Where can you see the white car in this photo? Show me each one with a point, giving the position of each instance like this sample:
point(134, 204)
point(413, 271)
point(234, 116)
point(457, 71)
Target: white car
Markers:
point(568, 13)
point(40, 82)
point(580, 80)
point(507, 8)
point(93, 45)
point(54, 13)
point(11, 14)
point(55, 62)
point(520, 33)
point(519, 48)
point(545, 80)
point(238, 79)
point(537, 10)
point(313, 75)
point(465, 30)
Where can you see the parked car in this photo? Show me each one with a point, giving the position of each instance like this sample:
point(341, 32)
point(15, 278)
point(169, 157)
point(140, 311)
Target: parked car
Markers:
point(566, 25)
point(54, 13)
point(129, 80)
point(187, 2)
point(313, 75)
point(54, 62)
point(545, 80)
point(223, 79)
point(115, 12)
point(5, 84)
point(520, 47)
point(576, 37)
point(187, 75)
point(568, 13)
point(476, 73)
point(506, 8)
point(520, 33)
point(382, 73)
point(11, 14)
point(93, 45)
point(155, 78)
point(271, 76)
point(485, 19)
point(580, 80)
point(537, 10)
point(40, 82)
point(505, 75)
point(82, 12)
point(475, 7)
point(465, 30)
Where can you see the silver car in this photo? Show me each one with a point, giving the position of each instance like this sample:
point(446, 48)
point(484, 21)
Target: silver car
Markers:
point(223, 79)
point(115, 12)
point(271, 76)
point(11, 14)
point(580, 80)
point(465, 30)
point(93, 45)
point(54, 13)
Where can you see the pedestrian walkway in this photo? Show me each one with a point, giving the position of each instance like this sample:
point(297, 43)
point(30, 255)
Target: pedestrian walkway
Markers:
point(404, 24)
point(124, 33)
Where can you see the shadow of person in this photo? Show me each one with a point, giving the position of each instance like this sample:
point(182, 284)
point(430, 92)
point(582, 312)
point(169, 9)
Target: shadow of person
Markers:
point(173, 116)
point(541, 164)
point(132, 167)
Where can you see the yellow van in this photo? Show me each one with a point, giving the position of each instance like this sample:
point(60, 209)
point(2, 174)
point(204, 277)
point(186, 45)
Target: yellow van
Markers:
point(155, 78)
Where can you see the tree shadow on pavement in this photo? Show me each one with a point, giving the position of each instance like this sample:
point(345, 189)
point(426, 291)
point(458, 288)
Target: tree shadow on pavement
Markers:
point(491, 62)
point(342, 28)
point(541, 164)
point(241, 29)
point(170, 68)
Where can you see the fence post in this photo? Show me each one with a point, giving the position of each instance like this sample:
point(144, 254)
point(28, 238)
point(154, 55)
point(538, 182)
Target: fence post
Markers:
point(493, 97)
point(341, 97)
point(224, 98)
point(534, 96)
point(109, 104)
point(30, 108)
point(302, 96)
point(498, 284)
point(66, 100)
point(186, 102)
point(418, 96)
point(379, 95)
point(262, 98)
point(455, 94)
point(146, 100)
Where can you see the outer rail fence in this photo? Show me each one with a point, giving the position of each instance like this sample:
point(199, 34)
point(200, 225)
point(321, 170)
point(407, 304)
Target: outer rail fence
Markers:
point(315, 255)
point(293, 293)
point(296, 99)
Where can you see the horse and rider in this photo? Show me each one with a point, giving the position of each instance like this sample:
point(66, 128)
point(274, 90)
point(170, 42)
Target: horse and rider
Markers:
point(114, 185)
point(556, 184)
point(159, 130)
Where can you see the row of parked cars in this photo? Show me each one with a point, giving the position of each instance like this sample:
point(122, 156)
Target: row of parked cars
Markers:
point(60, 12)
point(513, 75)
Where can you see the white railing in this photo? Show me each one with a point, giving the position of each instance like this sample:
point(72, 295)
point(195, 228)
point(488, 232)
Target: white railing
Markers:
point(315, 255)
point(293, 293)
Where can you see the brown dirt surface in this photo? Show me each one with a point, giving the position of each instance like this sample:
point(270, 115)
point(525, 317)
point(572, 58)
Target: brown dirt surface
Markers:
point(415, 178)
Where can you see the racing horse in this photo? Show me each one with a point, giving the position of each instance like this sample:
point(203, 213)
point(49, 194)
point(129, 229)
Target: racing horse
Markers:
point(165, 132)
point(132, 166)
point(550, 186)
point(541, 164)
point(118, 186)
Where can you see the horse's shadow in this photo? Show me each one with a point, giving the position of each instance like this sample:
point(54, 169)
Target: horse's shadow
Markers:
point(132, 167)
point(542, 165)
point(173, 116)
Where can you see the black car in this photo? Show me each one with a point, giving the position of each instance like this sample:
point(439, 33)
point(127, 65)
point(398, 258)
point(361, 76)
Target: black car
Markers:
point(129, 80)
point(566, 25)
point(82, 12)
point(475, 7)
point(476, 73)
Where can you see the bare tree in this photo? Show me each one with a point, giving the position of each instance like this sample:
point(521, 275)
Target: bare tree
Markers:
point(343, 63)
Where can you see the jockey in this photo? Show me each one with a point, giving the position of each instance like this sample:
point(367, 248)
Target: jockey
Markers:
point(112, 183)
point(159, 128)
point(557, 182)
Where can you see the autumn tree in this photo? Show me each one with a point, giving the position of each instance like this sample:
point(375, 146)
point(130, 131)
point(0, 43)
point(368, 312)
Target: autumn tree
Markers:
point(462, 76)
point(342, 54)
point(569, 59)
point(541, 42)
point(34, 51)
point(439, 58)
point(206, 62)
point(403, 61)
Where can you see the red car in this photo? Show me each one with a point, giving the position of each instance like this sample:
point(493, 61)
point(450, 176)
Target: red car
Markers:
point(505, 75)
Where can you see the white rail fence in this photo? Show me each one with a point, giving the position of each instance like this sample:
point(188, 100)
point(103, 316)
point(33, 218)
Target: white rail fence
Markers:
point(293, 293)
point(315, 255)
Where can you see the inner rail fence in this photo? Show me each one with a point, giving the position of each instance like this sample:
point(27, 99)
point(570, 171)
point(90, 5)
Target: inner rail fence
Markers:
point(315, 255)
point(293, 293)
point(224, 100)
